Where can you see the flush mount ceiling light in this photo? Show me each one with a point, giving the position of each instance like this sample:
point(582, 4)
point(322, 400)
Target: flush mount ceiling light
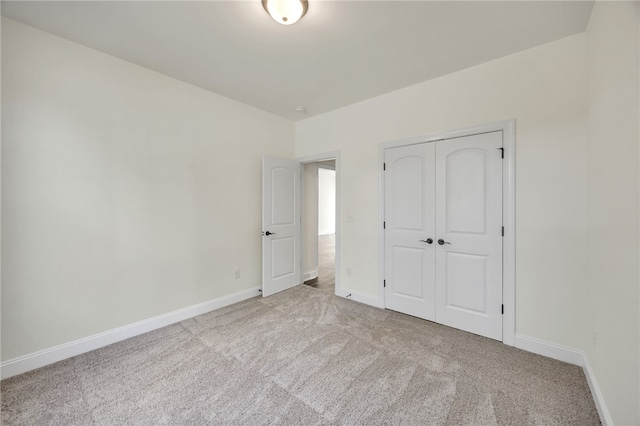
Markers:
point(286, 12)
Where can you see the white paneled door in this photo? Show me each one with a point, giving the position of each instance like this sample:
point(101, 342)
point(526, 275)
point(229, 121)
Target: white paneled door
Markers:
point(281, 267)
point(469, 233)
point(409, 230)
point(449, 194)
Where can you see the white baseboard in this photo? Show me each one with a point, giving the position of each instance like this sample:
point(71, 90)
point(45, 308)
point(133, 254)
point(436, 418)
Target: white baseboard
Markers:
point(571, 356)
point(310, 275)
point(550, 350)
point(359, 297)
point(48, 356)
point(605, 417)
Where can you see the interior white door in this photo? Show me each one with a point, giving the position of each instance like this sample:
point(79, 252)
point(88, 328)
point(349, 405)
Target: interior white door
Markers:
point(281, 268)
point(469, 234)
point(409, 230)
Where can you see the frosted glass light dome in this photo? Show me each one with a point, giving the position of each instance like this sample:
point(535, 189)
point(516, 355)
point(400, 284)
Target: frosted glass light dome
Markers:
point(286, 12)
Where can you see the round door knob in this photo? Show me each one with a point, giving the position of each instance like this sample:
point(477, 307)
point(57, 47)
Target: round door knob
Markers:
point(442, 242)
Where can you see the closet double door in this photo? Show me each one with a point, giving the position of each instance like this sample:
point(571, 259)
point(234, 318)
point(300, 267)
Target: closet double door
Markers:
point(443, 232)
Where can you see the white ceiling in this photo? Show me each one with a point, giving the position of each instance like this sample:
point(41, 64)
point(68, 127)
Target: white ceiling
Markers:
point(340, 53)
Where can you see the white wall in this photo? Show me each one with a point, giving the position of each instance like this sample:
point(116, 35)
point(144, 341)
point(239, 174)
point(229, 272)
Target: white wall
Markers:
point(544, 90)
point(326, 201)
point(125, 193)
point(612, 207)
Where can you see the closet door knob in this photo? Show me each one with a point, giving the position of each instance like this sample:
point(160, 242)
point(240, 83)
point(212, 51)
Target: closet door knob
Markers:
point(428, 241)
point(442, 242)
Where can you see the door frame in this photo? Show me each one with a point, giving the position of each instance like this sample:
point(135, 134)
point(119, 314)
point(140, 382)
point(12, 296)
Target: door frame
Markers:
point(333, 155)
point(507, 127)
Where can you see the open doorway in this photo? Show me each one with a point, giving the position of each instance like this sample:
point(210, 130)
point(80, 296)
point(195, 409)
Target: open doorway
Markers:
point(319, 225)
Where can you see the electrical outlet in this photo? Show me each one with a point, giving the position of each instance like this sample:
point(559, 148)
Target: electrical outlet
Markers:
point(237, 273)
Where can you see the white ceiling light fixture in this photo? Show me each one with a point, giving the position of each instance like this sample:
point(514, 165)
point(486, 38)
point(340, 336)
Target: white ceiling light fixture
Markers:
point(286, 12)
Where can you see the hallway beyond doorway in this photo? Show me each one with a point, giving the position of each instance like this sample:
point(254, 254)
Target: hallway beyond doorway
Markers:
point(326, 280)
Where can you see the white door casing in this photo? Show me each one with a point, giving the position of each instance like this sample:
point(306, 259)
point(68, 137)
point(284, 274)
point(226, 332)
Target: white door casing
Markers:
point(281, 266)
point(335, 156)
point(409, 225)
point(459, 201)
point(469, 222)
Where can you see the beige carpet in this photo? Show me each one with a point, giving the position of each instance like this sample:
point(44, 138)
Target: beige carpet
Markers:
point(302, 357)
point(326, 280)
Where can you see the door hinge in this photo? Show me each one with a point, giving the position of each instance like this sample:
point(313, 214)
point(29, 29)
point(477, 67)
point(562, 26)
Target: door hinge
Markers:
point(503, 231)
point(384, 166)
point(501, 152)
point(384, 225)
point(384, 283)
point(502, 309)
